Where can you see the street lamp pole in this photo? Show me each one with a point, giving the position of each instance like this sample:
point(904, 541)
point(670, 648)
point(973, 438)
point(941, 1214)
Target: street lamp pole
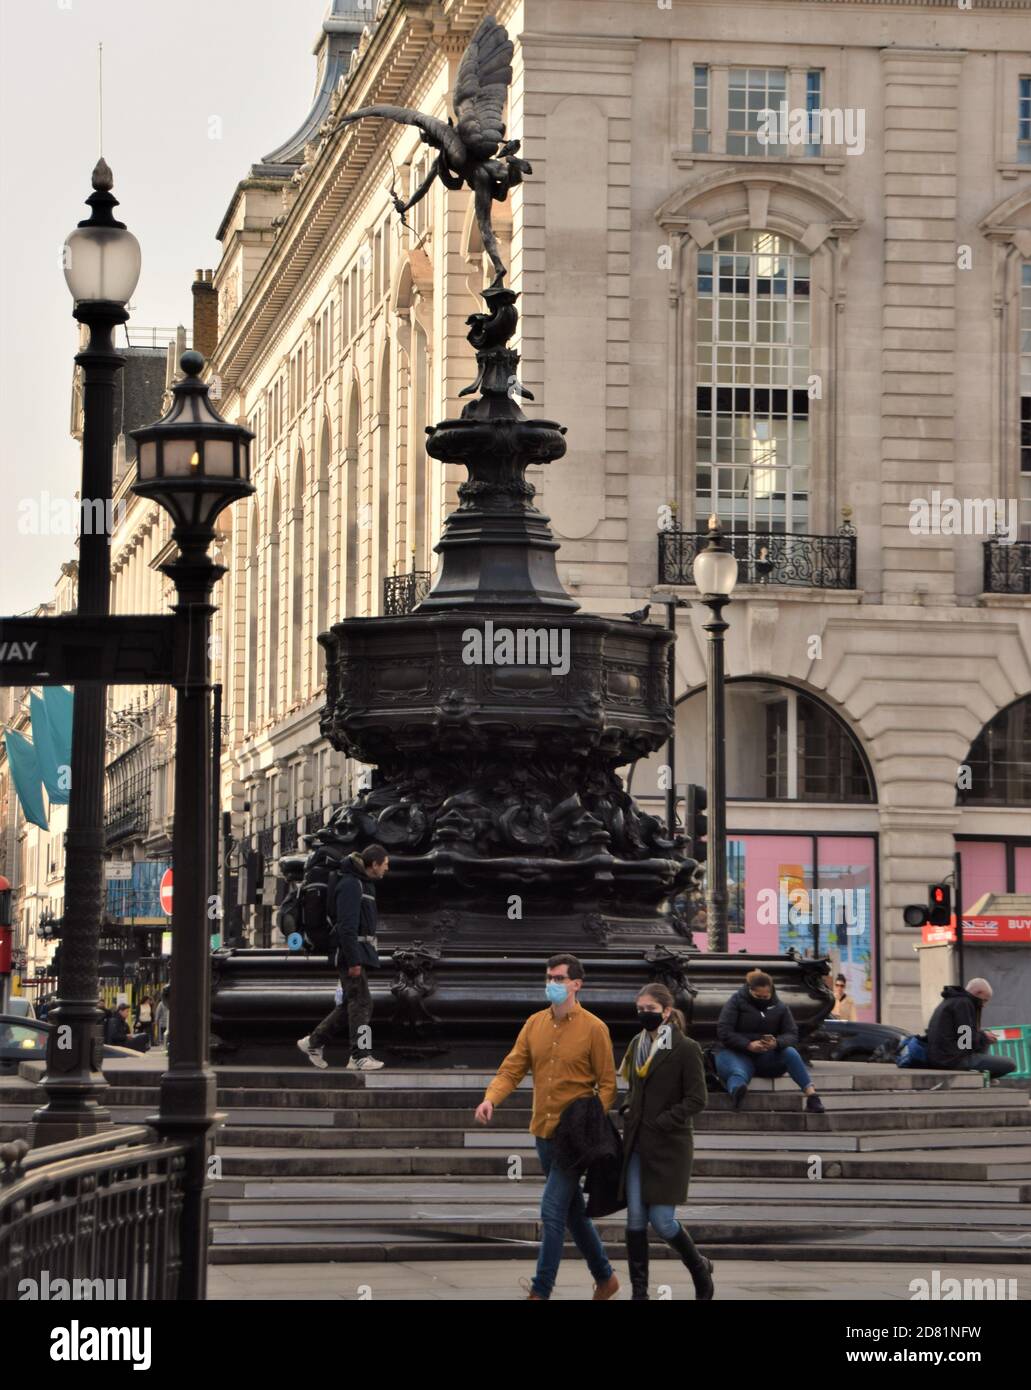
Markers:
point(715, 573)
point(195, 464)
point(102, 266)
point(672, 604)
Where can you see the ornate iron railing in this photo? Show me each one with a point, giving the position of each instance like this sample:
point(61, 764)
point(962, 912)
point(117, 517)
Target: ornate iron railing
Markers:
point(313, 821)
point(287, 836)
point(401, 592)
point(106, 1207)
point(1007, 567)
point(817, 562)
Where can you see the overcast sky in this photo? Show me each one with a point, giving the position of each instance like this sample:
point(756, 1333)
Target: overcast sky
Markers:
point(168, 68)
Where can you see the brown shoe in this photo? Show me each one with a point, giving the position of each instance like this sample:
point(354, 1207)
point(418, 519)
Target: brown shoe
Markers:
point(527, 1289)
point(607, 1290)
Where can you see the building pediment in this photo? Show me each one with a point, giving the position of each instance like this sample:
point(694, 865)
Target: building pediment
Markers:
point(797, 204)
point(1010, 221)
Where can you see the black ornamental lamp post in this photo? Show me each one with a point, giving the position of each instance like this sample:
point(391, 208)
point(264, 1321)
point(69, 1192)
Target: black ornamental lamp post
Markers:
point(715, 574)
point(195, 464)
point(102, 267)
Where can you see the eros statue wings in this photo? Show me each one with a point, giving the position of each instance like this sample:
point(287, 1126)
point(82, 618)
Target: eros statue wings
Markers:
point(474, 151)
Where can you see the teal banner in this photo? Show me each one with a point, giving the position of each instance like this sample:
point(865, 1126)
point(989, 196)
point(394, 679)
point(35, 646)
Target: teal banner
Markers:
point(21, 757)
point(55, 779)
point(59, 704)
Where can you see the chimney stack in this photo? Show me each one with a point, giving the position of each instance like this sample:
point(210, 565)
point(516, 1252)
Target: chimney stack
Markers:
point(205, 313)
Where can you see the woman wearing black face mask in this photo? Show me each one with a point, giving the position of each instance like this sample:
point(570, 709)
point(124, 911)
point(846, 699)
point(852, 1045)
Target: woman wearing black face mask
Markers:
point(666, 1076)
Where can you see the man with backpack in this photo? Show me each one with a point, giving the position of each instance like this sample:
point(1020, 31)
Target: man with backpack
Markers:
point(351, 914)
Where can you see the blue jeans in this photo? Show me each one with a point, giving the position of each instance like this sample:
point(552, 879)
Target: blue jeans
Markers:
point(987, 1061)
point(562, 1205)
point(736, 1069)
point(663, 1218)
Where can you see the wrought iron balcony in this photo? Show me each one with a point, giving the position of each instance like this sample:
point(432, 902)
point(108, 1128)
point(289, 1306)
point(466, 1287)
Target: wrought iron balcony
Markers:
point(287, 836)
point(122, 820)
point(765, 557)
point(401, 592)
point(266, 844)
point(1007, 567)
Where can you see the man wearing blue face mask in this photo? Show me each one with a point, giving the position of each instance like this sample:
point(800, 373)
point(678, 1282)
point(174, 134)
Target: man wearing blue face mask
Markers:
point(569, 1052)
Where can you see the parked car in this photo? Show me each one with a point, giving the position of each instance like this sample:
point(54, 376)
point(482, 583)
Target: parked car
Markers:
point(838, 1041)
point(20, 1006)
point(25, 1040)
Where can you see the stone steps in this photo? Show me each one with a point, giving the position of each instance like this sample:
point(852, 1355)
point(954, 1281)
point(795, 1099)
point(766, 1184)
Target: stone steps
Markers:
point(342, 1166)
point(992, 1165)
point(233, 1197)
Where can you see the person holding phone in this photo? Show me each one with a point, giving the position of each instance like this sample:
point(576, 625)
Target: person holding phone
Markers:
point(758, 1036)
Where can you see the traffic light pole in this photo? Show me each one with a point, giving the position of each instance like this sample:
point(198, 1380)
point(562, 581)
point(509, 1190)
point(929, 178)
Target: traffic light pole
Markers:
point(957, 874)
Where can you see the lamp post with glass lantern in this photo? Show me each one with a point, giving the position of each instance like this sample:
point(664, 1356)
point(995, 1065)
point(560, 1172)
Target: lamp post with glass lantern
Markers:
point(715, 574)
point(102, 267)
point(195, 464)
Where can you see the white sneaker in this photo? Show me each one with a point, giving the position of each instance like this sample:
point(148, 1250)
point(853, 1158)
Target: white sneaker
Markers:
point(313, 1054)
point(364, 1064)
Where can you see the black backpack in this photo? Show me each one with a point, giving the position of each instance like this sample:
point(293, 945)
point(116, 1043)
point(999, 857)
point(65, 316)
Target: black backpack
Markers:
point(316, 892)
point(288, 913)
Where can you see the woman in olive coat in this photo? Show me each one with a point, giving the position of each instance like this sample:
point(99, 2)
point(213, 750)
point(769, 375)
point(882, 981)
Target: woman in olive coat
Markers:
point(666, 1077)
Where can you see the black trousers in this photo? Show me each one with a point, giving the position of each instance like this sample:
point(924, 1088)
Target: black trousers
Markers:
point(357, 1009)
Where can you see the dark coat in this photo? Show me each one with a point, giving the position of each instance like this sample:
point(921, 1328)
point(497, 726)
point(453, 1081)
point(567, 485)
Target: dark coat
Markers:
point(116, 1028)
point(946, 1046)
point(352, 910)
point(742, 1020)
point(587, 1140)
point(658, 1114)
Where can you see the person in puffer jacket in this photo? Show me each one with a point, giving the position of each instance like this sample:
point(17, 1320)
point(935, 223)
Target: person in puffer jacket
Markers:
point(757, 1036)
point(955, 1039)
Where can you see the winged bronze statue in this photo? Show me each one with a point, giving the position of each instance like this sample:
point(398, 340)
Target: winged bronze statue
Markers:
point(472, 152)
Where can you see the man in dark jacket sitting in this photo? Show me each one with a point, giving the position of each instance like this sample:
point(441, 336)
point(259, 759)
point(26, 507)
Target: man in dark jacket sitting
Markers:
point(757, 1036)
point(955, 1040)
point(352, 910)
point(118, 1032)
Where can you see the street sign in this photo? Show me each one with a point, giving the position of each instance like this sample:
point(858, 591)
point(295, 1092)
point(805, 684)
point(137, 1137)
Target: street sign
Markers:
point(124, 649)
point(118, 869)
point(165, 892)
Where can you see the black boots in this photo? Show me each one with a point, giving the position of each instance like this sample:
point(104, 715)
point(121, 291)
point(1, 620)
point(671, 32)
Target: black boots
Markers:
point(699, 1265)
point(637, 1259)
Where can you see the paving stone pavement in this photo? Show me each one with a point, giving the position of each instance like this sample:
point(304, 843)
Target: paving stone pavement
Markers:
point(483, 1281)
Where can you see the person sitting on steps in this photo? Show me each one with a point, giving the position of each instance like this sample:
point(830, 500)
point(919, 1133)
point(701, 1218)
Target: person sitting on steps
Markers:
point(757, 1036)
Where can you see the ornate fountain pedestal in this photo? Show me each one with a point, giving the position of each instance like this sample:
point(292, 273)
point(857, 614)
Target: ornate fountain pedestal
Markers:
point(497, 716)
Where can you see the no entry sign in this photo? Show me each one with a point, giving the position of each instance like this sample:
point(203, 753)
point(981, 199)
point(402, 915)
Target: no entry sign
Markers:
point(165, 892)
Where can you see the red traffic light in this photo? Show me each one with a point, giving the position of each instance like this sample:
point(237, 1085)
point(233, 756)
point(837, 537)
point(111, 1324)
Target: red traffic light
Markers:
point(939, 903)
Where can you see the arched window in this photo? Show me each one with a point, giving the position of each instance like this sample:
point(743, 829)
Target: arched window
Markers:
point(752, 361)
point(273, 605)
point(297, 578)
point(997, 770)
point(252, 621)
point(354, 420)
point(782, 745)
point(381, 499)
point(322, 549)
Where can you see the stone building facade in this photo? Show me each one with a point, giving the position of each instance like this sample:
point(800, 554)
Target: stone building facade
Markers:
point(812, 327)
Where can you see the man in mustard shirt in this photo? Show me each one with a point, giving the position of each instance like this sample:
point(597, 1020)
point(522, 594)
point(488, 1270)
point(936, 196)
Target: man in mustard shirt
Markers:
point(569, 1052)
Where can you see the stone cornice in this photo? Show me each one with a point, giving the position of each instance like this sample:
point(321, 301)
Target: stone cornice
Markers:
point(400, 43)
